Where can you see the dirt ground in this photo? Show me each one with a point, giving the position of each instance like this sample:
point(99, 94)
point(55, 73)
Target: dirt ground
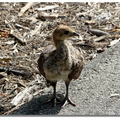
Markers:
point(25, 32)
point(96, 92)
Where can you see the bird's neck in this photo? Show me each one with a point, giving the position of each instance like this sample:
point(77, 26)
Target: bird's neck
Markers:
point(57, 42)
point(62, 49)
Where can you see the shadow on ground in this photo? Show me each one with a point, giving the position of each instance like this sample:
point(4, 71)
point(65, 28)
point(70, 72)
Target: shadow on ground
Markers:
point(38, 106)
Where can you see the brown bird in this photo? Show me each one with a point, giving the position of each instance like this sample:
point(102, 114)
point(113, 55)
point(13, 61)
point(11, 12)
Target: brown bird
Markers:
point(64, 62)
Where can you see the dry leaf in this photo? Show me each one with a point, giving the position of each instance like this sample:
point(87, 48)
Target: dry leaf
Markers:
point(4, 59)
point(115, 30)
point(115, 95)
point(4, 33)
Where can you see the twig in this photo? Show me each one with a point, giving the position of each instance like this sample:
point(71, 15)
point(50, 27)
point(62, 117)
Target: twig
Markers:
point(5, 59)
point(27, 6)
point(47, 8)
point(15, 33)
point(49, 16)
point(18, 37)
point(21, 26)
point(97, 32)
point(114, 42)
point(10, 70)
point(12, 110)
point(100, 38)
point(33, 32)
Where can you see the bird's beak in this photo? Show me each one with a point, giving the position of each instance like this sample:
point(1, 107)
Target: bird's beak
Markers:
point(75, 34)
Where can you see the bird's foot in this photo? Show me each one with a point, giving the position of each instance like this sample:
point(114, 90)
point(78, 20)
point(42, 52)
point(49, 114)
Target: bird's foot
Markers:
point(67, 101)
point(54, 101)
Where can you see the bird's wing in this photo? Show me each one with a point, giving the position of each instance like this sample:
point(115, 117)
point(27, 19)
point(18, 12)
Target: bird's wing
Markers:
point(43, 56)
point(40, 63)
point(77, 65)
point(76, 71)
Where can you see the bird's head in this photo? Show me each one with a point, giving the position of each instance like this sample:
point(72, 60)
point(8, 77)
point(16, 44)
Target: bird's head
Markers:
point(63, 32)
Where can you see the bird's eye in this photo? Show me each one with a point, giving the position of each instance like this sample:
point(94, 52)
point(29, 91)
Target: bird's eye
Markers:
point(66, 32)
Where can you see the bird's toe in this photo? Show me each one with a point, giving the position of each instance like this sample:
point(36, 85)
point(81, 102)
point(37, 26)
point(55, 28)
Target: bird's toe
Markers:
point(67, 101)
point(54, 101)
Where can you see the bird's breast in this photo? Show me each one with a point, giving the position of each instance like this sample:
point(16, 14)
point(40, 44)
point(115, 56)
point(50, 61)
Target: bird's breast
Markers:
point(58, 66)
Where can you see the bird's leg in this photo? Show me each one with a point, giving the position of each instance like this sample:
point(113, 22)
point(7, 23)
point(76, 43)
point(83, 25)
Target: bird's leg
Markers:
point(66, 99)
point(54, 94)
point(54, 99)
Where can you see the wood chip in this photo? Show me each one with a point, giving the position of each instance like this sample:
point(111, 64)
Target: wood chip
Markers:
point(9, 42)
point(5, 59)
point(116, 95)
point(21, 26)
point(4, 33)
point(26, 7)
point(50, 16)
point(24, 96)
point(17, 72)
point(33, 32)
point(47, 8)
point(100, 38)
point(98, 32)
point(114, 30)
point(114, 42)
point(2, 74)
point(90, 21)
point(15, 33)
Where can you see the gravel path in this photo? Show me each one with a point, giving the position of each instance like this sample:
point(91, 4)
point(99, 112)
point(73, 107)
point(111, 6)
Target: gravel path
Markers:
point(96, 92)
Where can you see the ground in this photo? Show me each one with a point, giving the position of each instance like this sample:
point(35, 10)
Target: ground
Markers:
point(34, 28)
point(96, 92)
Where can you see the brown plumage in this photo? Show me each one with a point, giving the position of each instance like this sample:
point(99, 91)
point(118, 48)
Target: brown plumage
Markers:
point(63, 62)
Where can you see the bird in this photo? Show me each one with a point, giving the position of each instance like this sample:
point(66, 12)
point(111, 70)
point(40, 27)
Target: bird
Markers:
point(61, 62)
